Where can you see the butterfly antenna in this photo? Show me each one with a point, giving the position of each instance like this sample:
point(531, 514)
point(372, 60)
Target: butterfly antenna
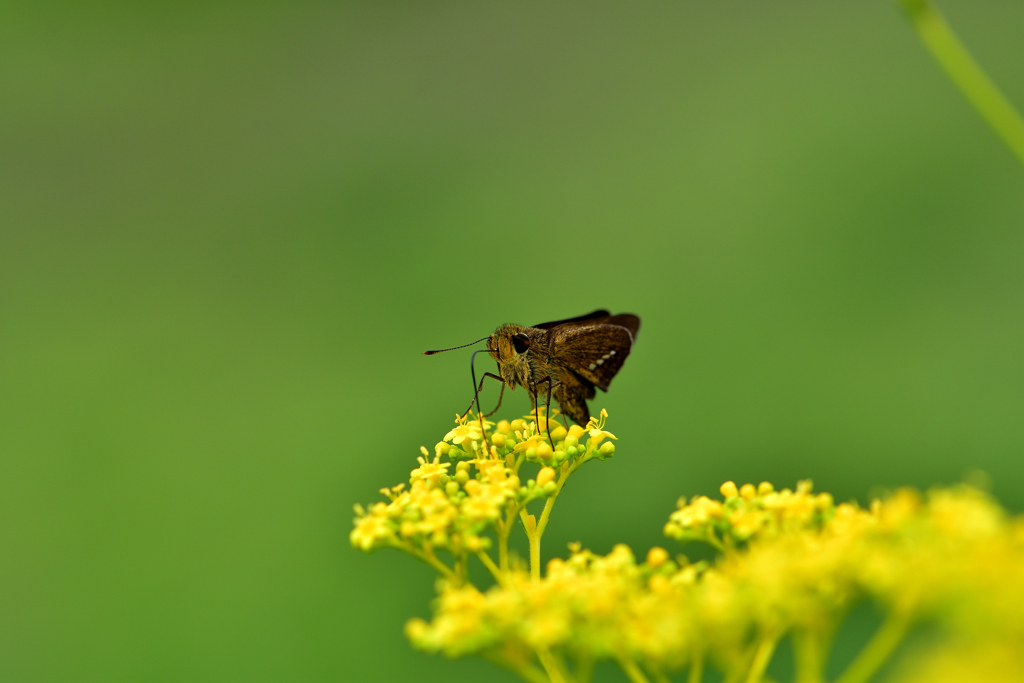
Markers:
point(431, 353)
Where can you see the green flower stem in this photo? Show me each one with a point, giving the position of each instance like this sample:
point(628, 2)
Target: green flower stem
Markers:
point(530, 524)
point(762, 656)
point(713, 541)
point(491, 567)
point(633, 672)
point(504, 529)
point(584, 667)
point(528, 672)
point(567, 469)
point(696, 673)
point(878, 649)
point(535, 528)
point(965, 73)
point(809, 647)
point(659, 676)
point(555, 670)
point(430, 559)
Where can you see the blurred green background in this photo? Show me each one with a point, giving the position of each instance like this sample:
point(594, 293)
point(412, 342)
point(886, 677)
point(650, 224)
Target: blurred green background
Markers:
point(228, 231)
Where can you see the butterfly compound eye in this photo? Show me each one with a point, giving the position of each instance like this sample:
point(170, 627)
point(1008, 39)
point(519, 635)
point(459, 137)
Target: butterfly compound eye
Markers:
point(521, 342)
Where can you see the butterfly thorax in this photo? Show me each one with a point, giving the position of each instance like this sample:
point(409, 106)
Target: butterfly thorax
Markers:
point(522, 354)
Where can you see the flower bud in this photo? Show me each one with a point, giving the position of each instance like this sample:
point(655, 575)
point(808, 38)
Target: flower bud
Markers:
point(729, 490)
point(656, 557)
point(504, 427)
point(498, 440)
point(544, 451)
point(546, 474)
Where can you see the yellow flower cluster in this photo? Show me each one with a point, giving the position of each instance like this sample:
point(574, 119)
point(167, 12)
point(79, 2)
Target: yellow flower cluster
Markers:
point(951, 557)
point(442, 509)
point(748, 512)
point(600, 607)
point(791, 565)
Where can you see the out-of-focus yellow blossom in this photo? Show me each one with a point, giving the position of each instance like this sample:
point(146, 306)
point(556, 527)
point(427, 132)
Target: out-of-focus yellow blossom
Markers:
point(370, 531)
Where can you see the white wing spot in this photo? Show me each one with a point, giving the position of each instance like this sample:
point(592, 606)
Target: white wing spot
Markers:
point(611, 353)
point(593, 366)
point(600, 361)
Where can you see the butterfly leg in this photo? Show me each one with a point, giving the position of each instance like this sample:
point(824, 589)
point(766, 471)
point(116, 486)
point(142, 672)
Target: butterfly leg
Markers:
point(547, 412)
point(478, 389)
point(500, 396)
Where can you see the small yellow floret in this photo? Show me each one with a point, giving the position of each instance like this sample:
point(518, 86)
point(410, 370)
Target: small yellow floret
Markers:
point(729, 490)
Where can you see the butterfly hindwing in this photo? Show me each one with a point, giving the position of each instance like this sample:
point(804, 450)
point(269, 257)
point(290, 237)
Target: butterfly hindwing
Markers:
point(572, 393)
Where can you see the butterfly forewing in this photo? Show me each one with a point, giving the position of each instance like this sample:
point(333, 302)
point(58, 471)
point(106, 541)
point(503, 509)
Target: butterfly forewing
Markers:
point(593, 317)
point(594, 352)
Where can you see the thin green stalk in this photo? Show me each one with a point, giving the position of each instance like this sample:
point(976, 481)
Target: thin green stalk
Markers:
point(430, 559)
point(527, 672)
point(696, 673)
point(491, 567)
point(584, 667)
point(567, 469)
point(555, 669)
point(809, 655)
point(530, 523)
point(966, 74)
point(502, 530)
point(878, 649)
point(632, 670)
point(659, 676)
point(762, 656)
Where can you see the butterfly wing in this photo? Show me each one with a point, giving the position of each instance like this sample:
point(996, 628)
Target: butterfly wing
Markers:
point(593, 315)
point(572, 393)
point(595, 352)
